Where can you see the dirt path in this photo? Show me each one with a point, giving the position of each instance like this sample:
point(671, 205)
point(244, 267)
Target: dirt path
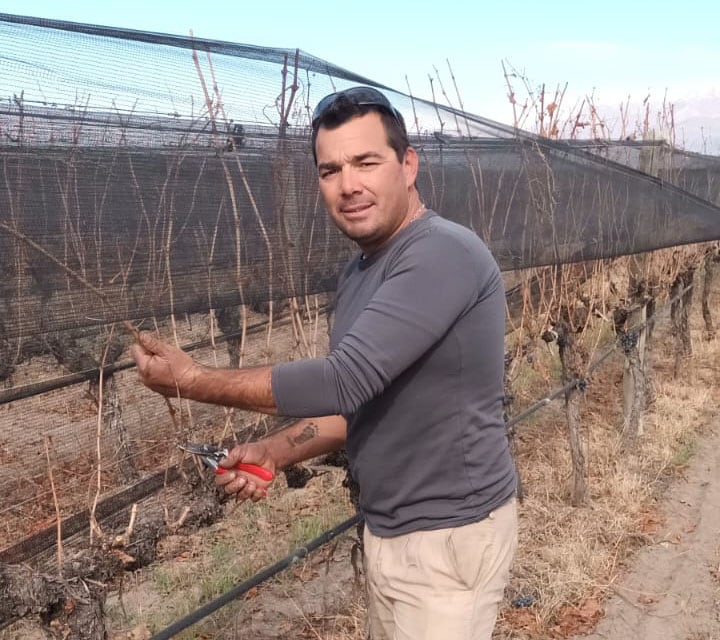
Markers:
point(672, 591)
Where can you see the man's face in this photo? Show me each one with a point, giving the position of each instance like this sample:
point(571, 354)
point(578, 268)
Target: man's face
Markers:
point(365, 188)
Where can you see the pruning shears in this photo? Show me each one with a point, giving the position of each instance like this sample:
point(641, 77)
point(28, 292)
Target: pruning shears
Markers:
point(211, 456)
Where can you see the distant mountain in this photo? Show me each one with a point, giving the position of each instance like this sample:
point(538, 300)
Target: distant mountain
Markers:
point(697, 122)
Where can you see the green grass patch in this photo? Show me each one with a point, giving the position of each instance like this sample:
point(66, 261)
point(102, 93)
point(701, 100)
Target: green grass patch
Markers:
point(684, 453)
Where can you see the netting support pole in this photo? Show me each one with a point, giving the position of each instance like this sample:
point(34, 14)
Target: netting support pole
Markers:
point(680, 316)
point(634, 347)
point(711, 262)
point(573, 360)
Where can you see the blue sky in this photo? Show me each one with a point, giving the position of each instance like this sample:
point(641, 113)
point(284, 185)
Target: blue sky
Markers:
point(614, 49)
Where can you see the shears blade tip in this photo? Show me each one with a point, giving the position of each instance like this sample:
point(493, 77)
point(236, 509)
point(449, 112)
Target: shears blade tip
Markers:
point(202, 449)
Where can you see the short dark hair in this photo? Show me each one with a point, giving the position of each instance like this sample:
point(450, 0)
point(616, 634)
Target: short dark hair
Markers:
point(337, 108)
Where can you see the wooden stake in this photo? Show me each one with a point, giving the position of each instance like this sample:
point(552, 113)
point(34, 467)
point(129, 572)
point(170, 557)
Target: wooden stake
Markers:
point(60, 554)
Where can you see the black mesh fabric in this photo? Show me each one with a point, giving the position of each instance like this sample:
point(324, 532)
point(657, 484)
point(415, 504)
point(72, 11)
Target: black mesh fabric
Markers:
point(118, 167)
point(157, 177)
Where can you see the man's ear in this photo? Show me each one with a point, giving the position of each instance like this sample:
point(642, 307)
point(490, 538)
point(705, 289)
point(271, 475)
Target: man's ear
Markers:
point(410, 166)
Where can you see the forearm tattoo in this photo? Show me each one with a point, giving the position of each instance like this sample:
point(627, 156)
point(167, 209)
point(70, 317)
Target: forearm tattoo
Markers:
point(308, 433)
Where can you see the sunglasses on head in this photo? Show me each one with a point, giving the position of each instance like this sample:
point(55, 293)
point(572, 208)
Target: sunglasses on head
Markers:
point(361, 96)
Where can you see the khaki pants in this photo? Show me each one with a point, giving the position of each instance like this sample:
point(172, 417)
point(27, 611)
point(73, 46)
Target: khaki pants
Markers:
point(440, 585)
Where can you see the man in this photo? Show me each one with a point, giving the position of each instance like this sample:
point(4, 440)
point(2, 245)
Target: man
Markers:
point(412, 387)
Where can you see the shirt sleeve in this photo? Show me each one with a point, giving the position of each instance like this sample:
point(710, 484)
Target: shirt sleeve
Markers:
point(431, 283)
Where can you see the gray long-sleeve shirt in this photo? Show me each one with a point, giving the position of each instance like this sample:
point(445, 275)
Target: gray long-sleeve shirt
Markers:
point(416, 366)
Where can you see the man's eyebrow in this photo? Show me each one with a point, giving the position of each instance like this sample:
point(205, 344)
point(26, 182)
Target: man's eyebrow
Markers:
point(361, 157)
point(328, 166)
point(366, 156)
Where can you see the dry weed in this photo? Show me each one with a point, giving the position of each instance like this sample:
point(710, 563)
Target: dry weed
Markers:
point(197, 568)
point(569, 558)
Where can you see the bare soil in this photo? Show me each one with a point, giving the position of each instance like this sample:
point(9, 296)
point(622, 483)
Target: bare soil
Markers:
point(570, 558)
point(672, 590)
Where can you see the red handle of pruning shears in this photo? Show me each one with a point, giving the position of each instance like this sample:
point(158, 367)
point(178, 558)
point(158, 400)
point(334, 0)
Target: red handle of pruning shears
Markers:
point(254, 469)
point(211, 456)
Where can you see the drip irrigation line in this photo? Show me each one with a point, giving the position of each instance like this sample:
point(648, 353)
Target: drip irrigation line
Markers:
point(39, 388)
point(582, 382)
point(257, 579)
point(41, 540)
point(79, 477)
point(32, 545)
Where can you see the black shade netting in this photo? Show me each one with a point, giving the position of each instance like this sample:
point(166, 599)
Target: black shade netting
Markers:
point(156, 177)
point(145, 174)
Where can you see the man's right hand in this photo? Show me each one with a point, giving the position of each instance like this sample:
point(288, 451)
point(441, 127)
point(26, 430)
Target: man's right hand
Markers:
point(246, 486)
point(163, 367)
point(302, 440)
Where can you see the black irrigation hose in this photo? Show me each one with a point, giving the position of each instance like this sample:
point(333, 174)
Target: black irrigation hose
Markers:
point(582, 383)
point(257, 579)
point(38, 388)
point(32, 545)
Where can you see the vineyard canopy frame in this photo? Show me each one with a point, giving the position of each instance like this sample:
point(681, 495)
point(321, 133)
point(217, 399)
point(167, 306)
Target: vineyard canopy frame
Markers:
point(147, 174)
